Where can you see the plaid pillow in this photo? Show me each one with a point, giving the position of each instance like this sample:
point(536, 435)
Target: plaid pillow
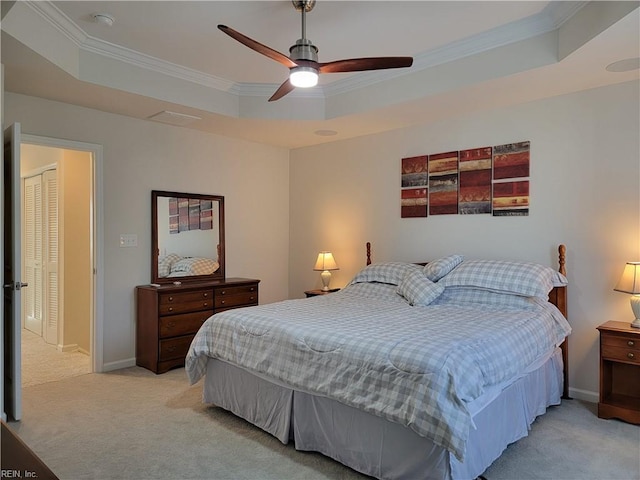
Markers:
point(527, 279)
point(389, 272)
point(418, 289)
point(165, 263)
point(439, 268)
point(480, 296)
point(194, 266)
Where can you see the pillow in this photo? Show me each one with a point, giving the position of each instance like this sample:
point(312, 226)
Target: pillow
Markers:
point(479, 296)
point(439, 268)
point(166, 262)
point(194, 266)
point(527, 279)
point(418, 289)
point(389, 272)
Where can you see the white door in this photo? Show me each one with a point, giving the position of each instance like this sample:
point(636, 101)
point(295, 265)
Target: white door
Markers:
point(50, 256)
point(32, 299)
point(12, 282)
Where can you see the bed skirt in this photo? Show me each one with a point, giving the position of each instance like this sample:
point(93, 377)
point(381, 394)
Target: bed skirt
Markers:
point(375, 446)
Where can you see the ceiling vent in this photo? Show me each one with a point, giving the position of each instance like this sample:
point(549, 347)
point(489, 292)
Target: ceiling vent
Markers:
point(173, 118)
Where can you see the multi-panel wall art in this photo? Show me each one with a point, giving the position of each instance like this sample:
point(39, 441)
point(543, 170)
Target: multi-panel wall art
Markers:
point(189, 214)
point(491, 180)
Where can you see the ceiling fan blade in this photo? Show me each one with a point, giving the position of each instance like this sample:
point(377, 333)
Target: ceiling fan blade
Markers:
point(258, 47)
point(362, 64)
point(283, 89)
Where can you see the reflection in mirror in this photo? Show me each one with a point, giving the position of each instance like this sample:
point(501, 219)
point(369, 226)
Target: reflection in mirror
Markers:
point(188, 236)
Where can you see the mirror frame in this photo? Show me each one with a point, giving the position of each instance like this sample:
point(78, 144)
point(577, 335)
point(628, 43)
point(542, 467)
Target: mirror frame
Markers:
point(155, 249)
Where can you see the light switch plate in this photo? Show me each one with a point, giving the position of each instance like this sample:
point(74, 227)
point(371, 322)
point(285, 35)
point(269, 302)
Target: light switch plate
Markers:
point(128, 240)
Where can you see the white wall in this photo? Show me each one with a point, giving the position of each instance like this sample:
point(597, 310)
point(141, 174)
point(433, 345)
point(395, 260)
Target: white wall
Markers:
point(140, 156)
point(585, 192)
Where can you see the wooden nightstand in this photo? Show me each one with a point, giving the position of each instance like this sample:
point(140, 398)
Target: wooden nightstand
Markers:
point(619, 372)
point(313, 293)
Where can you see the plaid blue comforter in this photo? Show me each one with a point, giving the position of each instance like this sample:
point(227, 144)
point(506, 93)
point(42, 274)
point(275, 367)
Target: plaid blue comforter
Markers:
point(366, 347)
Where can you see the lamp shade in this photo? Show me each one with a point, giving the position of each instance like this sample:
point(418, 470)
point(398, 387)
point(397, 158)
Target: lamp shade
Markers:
point(630, 280)
point(325, 262)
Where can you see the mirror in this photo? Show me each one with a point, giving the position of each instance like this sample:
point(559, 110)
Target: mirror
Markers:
point(187, 235)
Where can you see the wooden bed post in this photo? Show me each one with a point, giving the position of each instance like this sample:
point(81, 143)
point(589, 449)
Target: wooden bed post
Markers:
point(561, 302)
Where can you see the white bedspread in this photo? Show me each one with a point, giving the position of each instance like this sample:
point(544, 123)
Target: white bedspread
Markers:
point(366, 347)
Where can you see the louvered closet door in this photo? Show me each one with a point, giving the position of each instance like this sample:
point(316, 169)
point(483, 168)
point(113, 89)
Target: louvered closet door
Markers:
point(32, 296)
point(50, 260)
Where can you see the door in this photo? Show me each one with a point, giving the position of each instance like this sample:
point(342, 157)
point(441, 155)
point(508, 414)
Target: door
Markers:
point(12, 275)
point(40, 248)
point(32, 299)
point(50, 256)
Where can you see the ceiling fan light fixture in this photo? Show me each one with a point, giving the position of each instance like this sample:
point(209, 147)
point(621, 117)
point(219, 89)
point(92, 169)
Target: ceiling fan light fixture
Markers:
point(303, 77)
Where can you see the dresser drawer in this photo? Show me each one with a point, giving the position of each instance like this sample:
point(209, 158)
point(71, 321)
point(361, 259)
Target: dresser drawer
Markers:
point(183, 324)
point(236, 296)
point(620, 354)
point(171, 303)
point(621, 341)
point(243, 299)
point(175, 347)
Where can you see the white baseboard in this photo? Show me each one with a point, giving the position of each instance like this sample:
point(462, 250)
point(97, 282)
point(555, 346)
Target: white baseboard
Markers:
point(111, 366)
point(73, 347)
point(585, 395)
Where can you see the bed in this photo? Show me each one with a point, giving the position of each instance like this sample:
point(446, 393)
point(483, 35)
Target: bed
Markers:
point(411, 371)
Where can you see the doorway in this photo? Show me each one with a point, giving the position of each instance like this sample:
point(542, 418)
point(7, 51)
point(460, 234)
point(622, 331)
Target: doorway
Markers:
point(56, 219)
point(70, 343)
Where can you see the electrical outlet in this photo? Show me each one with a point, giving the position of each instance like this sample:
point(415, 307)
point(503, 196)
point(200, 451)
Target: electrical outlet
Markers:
point(128, 240)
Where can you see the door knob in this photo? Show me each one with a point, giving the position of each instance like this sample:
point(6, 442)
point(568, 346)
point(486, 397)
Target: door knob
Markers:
point(16, 285)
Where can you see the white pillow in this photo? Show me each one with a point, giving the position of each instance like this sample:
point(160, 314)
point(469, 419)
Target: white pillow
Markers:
point(439, 268)
point(418, 289)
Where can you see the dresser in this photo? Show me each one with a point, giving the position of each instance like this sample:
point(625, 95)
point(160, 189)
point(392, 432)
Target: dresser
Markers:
point(619, 372)
point(168, 316)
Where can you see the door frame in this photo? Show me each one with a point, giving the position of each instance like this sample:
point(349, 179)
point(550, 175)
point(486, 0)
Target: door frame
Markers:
point(97, 321)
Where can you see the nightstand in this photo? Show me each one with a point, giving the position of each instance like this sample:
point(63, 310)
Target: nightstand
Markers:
point(314, 293)
point(619, 372)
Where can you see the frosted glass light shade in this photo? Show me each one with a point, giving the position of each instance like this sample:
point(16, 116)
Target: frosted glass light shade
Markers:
point(303, 77)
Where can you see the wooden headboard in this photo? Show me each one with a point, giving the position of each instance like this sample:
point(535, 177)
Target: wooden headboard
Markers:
point(557, 296)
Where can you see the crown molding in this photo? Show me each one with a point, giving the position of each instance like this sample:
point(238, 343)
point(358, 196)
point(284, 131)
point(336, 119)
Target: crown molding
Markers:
point(550, 18)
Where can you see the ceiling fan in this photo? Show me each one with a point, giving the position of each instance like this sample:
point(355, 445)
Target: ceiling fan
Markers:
point(303, 60)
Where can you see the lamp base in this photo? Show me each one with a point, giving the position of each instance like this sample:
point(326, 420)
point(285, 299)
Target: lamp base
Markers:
point(635, 306)
point(326, 278)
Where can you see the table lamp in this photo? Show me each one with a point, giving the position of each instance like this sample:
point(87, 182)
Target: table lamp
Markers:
point(324, 264)
point(630, 283)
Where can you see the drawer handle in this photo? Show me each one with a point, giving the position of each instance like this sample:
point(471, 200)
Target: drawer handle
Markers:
point(252, 298)
point(222, 302)
point(171, 348)
point(631, 343)
point(251, 289)
point(205, 295)
point(171, 324)
point(630, 355)
point(222, 292)
point(171, 309)
point(171, 299)
point(205, 304)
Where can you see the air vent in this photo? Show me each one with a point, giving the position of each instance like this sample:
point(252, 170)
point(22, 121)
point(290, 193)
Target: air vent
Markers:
point(173, 118)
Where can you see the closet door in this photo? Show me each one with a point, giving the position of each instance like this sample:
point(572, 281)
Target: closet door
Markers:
point(32, 296)
point(50, 256)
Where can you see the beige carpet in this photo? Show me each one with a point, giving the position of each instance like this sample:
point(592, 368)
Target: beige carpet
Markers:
point(132, 424)
point(42, 363)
